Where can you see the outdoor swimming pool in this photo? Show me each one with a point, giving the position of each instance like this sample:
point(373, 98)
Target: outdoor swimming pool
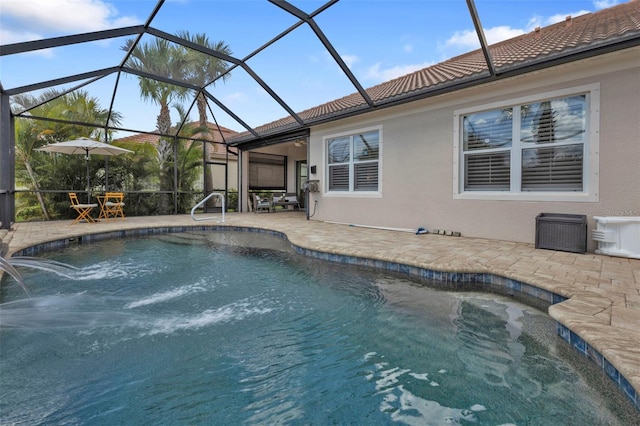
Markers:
point(235, 328)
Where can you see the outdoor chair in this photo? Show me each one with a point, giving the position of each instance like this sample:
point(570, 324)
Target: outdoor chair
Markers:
point(83, 211)
point(286, 200)
point(261, 204)
point(113, 205)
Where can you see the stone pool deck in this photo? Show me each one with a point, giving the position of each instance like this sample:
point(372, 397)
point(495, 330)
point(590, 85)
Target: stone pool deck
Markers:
point(601, 316)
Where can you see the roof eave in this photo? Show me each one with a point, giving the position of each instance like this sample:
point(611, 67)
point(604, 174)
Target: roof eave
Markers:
point(539, 63)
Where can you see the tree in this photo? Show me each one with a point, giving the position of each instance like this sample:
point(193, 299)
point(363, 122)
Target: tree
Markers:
point(39, 172)
point(165, 59)
point(202, 70)
point(181, 64)
point(189, 162)
point(27, 139)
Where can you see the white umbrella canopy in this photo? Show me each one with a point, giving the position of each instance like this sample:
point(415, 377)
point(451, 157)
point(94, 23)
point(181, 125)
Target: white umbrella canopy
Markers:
point(84, 146)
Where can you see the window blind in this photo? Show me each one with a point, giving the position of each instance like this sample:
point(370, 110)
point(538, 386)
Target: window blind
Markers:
point(339, 178)
point(366, 177)
point(488, 172)
point(552, 169)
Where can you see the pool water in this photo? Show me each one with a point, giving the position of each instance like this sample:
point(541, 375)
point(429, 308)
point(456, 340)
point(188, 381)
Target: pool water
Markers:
point(235, 328)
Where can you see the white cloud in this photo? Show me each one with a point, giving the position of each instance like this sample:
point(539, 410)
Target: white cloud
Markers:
point(604, 4)
point(41, 17)
point(534, 22)
point(376, 74)
point(496, 34)
point(125, 21)
point(9, 37)
point(350, 60)
point(562, 16)
point(468, 39)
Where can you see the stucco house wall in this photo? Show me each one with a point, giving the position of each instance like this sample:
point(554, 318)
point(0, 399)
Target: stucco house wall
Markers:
point(417, 156)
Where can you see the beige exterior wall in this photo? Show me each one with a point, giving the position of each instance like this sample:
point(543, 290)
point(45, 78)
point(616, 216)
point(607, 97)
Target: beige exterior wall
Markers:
point(417, 155)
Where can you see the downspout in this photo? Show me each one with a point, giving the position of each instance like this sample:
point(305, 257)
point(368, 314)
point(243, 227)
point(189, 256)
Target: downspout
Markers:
point(306, 186)
point(241, 195)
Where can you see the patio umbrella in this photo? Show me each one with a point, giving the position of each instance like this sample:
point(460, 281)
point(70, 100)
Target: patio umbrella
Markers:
point(84, 146)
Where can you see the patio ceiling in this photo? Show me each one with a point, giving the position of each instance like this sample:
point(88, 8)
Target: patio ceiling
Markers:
point(293, 30)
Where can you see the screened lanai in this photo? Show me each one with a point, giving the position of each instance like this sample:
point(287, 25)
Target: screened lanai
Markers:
point(116, 76)
point(194, 86)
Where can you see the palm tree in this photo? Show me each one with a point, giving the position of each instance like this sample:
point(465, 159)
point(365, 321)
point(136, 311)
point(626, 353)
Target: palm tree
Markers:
point(202, 70)
point(162, 58)
point(189, 162)
point(76, 106)
point(26, 142)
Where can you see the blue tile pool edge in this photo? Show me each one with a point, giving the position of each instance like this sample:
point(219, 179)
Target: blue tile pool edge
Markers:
point(513, 286)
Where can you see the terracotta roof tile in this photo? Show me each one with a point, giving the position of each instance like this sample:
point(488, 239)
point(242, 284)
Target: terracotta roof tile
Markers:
point(542, 44)
point(150, 138)
point(140, 138)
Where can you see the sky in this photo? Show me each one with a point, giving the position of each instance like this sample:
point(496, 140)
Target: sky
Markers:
point(379, 40)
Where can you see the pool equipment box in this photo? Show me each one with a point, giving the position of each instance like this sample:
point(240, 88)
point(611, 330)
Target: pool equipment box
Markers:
point(563, 232)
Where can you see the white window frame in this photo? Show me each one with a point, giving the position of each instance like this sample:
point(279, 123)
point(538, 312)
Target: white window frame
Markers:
point(590, 192)
point(351, 192)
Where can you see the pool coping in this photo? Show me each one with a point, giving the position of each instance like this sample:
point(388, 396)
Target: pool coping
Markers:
point(570, 330)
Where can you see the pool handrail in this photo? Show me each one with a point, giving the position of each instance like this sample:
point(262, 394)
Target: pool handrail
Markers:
point(193, 210)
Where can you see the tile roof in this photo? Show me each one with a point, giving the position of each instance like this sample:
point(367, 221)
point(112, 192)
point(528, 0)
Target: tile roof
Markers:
point(574, 35)
point(140, 138)
point(153, 138)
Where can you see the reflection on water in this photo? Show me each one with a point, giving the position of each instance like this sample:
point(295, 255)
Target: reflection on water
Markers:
point(206, 328)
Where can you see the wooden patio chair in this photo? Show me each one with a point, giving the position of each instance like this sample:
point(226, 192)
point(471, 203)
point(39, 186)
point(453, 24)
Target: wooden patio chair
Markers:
point(113, 205)
point(83, 211)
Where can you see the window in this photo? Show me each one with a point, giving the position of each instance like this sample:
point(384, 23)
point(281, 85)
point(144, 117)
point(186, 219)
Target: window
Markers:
point(539, 149)
point(353, 162)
